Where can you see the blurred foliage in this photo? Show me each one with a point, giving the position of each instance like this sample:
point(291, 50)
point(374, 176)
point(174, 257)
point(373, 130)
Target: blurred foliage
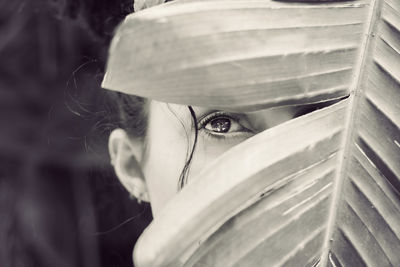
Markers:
point(60, 204)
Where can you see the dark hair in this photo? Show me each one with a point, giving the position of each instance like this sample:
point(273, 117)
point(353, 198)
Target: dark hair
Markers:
point(101, 17)
point(133, 114)
point(183, 177)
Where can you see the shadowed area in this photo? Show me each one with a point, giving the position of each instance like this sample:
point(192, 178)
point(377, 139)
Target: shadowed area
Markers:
point(60, 204)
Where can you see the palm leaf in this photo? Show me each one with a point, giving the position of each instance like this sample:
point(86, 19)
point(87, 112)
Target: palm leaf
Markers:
point(229, 54)
point(322, 189)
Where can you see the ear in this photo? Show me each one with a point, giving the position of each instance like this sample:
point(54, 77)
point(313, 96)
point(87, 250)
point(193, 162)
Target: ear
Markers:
point(125, 157)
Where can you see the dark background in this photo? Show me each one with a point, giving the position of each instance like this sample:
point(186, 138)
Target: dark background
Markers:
point(60, 204)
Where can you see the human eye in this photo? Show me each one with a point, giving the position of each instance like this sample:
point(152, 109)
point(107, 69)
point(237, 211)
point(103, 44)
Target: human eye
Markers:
point(224, 125)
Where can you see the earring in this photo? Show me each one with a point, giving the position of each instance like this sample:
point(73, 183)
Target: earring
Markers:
point(138, 195)
point(137, 198)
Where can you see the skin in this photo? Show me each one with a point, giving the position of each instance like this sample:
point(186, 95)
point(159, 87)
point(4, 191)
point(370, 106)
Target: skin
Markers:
point(150, 169)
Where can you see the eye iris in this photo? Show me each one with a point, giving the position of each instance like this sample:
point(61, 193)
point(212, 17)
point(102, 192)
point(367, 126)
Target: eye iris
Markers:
point(221, 125)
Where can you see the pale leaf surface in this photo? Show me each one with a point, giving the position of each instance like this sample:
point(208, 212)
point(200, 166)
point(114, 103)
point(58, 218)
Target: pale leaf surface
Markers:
point(267, 193)
point(241, 55)
point(322, 189)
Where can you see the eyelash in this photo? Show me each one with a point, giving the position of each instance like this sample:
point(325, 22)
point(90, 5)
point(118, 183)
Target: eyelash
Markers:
point(204, 120)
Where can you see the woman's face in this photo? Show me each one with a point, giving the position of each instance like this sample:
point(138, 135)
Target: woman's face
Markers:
point(171, 134)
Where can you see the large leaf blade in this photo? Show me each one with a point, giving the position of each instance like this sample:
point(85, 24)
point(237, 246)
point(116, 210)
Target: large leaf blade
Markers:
point(208, 203)
point(237, 55)
point(335, 196)
point(368, 219)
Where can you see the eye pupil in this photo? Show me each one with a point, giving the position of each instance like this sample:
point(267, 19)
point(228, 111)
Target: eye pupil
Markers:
point(221, 125)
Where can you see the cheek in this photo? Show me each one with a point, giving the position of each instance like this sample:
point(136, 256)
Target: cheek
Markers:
point(162, 170)
point(165, 156)
point(207, 151)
